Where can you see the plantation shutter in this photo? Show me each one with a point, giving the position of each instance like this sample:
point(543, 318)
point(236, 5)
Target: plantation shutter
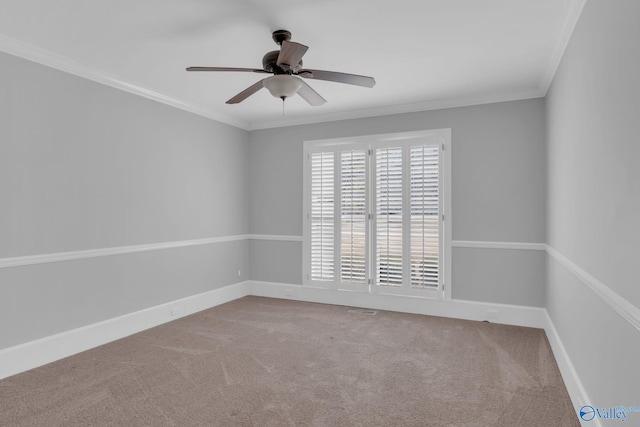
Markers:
point(353, 217)
point(425, 215)
point(322, 216)
point(374, 210)
point(389, 239)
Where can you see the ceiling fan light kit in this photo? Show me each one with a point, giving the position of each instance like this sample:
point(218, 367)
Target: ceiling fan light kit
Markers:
point(286, 67)
point(282, 85)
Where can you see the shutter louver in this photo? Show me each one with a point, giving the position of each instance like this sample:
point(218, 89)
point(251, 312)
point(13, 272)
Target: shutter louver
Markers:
point(322, 216)
point(353, 221)
point(425, 216)
point(389, 259)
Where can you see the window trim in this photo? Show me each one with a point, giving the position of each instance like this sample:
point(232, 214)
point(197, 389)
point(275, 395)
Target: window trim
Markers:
point(373, 141)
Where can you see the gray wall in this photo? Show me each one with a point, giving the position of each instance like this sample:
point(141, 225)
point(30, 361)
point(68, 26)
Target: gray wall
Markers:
point(594, 196)
point(85, 166)
point(498, 193)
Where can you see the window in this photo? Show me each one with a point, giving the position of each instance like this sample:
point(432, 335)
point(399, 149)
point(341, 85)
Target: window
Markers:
point(375, 213)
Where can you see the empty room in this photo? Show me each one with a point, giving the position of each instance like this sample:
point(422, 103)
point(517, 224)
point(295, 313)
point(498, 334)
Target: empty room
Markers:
point(294, 213)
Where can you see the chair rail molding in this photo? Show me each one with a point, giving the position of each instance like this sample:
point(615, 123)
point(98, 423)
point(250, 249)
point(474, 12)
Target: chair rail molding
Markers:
point(477, 244)
point(623, 307)
point(119, 250)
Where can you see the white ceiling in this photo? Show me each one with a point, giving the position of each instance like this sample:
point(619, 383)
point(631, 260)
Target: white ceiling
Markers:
point(424, 54)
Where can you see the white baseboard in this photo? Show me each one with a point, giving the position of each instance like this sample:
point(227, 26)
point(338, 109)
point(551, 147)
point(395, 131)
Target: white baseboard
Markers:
point(533, 317)
point(36, 353)
point(23, 357)
point(576, 390)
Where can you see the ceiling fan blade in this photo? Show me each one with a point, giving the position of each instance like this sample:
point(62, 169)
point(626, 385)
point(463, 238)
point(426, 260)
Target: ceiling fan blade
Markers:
point(246, 93)
point(332, 76)
point(311, 96)
point(290, 54)
point(251, 70)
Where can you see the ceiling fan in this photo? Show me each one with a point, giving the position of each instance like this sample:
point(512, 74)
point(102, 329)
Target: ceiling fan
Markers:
point(286, 66)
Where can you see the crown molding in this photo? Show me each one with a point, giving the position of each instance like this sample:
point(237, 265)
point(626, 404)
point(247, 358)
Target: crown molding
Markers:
point(572, 12)
point(49, 59)
point(573, 9)
point(438, 104)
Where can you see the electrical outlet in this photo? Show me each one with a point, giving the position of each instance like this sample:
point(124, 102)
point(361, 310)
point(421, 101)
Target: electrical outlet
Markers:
point(239, 273)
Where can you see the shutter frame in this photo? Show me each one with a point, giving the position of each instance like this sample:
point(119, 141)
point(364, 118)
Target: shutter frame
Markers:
point(421, 236)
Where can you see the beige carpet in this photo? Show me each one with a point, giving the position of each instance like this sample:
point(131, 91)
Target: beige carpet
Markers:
point(268, 362)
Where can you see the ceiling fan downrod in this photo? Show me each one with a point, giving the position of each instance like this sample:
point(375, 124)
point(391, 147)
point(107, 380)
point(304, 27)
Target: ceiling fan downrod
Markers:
point(280, 36)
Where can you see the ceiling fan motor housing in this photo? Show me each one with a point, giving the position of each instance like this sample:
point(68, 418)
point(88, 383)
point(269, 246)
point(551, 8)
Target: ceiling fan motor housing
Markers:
point(270, 63)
